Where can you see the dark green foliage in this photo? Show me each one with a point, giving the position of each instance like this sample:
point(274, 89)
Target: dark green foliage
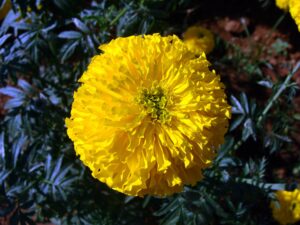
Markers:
point(45, 46)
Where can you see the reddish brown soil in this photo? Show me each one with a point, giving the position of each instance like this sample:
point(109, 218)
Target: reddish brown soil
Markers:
point(3, 99)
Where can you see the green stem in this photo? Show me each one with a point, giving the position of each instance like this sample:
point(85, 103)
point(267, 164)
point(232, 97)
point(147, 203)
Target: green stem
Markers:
point(237, 145)
point(123, 11)
point(272, 101)
point(277, 23)
point(278, 93)
point(245, 27)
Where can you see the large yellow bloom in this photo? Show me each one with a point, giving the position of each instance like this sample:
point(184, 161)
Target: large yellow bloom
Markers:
point(288, 209)
point(149, 115)
point(199, 39)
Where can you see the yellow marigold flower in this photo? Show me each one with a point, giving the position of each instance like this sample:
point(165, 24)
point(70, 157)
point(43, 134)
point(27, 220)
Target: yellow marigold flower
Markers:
point(295, 11)
point(293, 6)
point(199, 39)
point(283, 4)
point(149, 115)
point(4, 8)
point(288, 209)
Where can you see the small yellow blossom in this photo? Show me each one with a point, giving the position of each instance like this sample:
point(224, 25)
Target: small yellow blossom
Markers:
point(149, 115)
point(293, 6)
point(287, 209)
point(295, 11)
point(199, 39)
point(283, 4)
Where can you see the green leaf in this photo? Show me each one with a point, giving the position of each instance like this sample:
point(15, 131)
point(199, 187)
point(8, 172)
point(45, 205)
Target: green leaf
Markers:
point(236, 106)
point(25, 86)
point(14, 103)
point(3, 175)
point(68, 49)
point(248, 130)
point(70, 35)
point(236, 122)
point(17, 148)
point(225, 148)
point(11, 91)
point(169, 207)
point(265, 83)
point(2, 150)
point(244, 102)
point(4, 38)
point(80, 25)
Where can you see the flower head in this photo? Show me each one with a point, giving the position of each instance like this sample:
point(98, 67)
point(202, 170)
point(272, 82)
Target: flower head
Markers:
point(288, 209)
point(149, 115)
point(199, 39)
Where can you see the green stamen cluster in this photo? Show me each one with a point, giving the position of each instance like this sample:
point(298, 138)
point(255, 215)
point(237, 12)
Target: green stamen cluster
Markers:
point(155, 102)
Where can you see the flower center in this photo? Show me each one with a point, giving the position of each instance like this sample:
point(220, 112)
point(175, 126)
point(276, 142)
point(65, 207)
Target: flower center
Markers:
point(154, 102)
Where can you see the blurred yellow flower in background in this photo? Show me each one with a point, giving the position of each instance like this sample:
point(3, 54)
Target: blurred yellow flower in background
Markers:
point(288, 209)
point(283, 4)
point(295, 11)
point(294, 8)
point(4, 8)
point(199, 39)
point(149, 115)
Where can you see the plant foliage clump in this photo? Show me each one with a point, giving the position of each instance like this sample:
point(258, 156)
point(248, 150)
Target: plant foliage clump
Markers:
point(45, 46)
